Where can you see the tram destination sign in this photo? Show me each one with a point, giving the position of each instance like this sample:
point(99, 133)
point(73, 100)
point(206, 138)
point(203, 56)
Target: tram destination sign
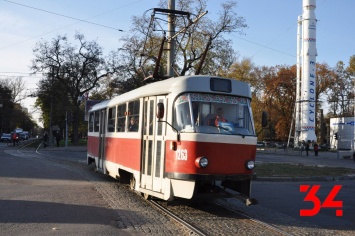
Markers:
point(221, 85)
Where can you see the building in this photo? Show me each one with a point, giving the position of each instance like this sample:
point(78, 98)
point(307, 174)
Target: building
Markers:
point(342, 133)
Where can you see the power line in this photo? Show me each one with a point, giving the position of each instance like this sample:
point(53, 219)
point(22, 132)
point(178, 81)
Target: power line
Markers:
point(264, 46)
point(273, 41)
point(66, 25)
point(24, 75)
point(70, 17)
point(14, 72)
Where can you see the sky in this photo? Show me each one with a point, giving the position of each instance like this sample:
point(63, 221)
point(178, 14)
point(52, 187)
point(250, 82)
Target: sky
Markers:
point(270, 39)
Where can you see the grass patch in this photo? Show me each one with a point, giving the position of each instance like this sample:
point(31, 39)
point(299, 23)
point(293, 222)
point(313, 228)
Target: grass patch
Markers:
point(288, 170)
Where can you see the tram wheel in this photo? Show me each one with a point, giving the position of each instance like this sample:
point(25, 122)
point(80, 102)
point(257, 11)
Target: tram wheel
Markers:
point(132, 182)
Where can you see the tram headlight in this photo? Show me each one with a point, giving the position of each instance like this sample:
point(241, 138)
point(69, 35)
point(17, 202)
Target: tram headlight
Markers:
point(250, 164)
point(201, 162)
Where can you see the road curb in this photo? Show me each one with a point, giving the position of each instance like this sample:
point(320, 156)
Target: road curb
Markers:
point(304, 179)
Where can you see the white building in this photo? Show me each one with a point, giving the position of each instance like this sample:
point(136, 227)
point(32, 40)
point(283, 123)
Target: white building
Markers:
point(343, 128)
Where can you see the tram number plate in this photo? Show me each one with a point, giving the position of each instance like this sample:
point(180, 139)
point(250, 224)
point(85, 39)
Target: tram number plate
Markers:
point(181, 155)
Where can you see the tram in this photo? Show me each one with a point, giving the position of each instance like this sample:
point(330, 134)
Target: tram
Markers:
point(176, 138)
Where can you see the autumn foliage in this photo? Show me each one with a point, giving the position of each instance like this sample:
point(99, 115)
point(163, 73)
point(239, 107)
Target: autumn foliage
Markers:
point(274, 91)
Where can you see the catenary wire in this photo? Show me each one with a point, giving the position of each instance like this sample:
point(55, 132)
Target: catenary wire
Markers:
point(79, 21)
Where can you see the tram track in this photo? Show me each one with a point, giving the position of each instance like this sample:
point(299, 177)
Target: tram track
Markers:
point(214, 218)
point(194, 229)
point(256, 221)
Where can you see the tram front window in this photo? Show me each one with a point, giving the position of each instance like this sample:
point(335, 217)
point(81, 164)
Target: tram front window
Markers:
point(207, 113)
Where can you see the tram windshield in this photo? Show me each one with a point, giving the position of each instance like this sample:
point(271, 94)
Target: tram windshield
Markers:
point(212, 113)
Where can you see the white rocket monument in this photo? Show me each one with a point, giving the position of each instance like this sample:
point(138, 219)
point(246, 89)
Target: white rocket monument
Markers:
point(306, 84)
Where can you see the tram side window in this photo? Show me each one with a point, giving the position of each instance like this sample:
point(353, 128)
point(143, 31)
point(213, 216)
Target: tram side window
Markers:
point(111, 119)
point(133, 111)
point(96, 121)
point(121, 118)
point(91, 122)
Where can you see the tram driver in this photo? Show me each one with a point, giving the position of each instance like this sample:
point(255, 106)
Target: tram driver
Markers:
point(217, 118)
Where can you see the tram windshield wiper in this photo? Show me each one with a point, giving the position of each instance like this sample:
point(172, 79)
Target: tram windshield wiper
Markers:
point(230, 131)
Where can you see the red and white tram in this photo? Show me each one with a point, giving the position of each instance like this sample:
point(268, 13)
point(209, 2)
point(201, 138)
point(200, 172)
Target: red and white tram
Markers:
point(166, 137)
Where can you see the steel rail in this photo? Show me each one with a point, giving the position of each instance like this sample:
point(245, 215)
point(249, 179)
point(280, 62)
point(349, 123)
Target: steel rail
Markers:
point(178, 219)
point(269, 226)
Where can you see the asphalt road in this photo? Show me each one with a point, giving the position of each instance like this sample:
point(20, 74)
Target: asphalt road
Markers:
point(38, 198)
point(285, 197)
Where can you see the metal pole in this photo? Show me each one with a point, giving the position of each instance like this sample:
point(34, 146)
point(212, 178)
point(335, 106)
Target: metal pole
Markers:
point(2, 115)
point(66, 129)
point(171, 41)
point(50, 116)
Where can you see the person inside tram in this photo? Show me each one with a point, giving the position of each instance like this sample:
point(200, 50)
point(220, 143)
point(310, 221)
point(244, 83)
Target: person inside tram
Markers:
point(133, 125)
point(218, 118)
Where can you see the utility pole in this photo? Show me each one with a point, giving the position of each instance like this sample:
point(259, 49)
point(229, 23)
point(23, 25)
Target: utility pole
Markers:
point(171, 40)
point(51, 109)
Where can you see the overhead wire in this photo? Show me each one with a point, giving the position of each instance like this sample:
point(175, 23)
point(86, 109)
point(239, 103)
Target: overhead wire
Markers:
point(278, 36)
point(273, 49)
point(79, 21)
point(58, 14)
point(267, 46)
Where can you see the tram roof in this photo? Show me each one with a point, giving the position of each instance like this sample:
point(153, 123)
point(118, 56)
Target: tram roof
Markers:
point(193, 83)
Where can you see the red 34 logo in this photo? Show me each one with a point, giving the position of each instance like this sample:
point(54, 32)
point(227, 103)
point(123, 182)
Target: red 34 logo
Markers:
point(329, 201)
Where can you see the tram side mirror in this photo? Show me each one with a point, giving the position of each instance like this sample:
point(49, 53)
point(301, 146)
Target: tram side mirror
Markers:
point(264, 119)
point(160, 110)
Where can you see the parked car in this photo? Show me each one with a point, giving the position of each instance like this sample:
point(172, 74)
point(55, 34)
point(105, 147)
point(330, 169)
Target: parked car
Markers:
point(260, 144)
point(27, 135)
point(278, 145)
point(6, 138)
point(22, 136)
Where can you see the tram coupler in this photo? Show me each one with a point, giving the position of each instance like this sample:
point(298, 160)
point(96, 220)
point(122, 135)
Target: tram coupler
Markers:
point(247, 200)
point(240, 190)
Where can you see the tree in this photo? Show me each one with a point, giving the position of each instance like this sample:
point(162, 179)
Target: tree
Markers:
point(11, 114)
point(6, 109)
point(17, 86)
point(77, 68)
point(139, 52)
point(340, 94)
point(279, 98)
point(54, 101)
point(351, 68)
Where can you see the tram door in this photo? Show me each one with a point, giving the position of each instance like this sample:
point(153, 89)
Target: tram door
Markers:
point(153, 146)
point(102, 131)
